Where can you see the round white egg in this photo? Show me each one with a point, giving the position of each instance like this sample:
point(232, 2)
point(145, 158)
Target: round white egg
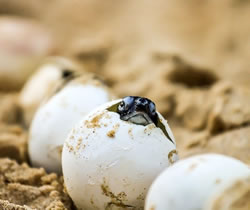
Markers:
point(109, 163)
point(42, 83)
point(192, 182)
point(54, 120)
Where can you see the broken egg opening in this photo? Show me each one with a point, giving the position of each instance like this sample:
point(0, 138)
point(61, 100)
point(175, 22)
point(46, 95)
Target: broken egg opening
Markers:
point(110, 163)
point(127, 108)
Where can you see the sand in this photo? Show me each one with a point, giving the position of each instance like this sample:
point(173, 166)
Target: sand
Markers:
point(191, 59)
point(29, 188)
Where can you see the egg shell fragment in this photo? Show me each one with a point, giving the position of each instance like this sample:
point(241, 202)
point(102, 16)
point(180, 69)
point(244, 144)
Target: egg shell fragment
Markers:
point(191, 183)
point(109, 163)
point(54, 120)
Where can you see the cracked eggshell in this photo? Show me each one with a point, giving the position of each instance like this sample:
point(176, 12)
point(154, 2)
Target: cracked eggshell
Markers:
point(109, 163)
point(42, 83)
point(192, 182)
point(54, 120)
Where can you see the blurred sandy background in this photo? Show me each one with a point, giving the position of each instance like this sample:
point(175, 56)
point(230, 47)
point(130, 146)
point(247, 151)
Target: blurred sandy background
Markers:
point(192, 57)
point(212, 33)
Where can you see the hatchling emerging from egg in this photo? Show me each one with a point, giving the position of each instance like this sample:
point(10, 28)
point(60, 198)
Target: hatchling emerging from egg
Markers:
point(112, 156)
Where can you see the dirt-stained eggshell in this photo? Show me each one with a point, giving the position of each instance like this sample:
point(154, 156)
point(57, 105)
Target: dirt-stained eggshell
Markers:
point(191, 183)
point(232, 197)
point(109, 163)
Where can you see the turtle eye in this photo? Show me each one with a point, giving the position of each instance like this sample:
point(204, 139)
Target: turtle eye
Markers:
point(121, 106)
point(126, 103)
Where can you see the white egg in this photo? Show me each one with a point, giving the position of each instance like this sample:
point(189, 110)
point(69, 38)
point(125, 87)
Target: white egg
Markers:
point(234, 196)
point(43, 82)
point(109, 163)
point(54, 120)
point(192, 182)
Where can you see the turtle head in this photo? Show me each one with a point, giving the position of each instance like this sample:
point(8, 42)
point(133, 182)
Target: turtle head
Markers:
point(137, 110)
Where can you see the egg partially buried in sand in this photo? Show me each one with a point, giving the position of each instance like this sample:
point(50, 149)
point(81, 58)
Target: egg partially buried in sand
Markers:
point(54, 120)
point(112, 156)
point(50, 73)
point(191, 183)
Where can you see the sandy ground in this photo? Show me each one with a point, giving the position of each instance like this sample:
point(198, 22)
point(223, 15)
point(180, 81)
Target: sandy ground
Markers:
point(190, 57)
